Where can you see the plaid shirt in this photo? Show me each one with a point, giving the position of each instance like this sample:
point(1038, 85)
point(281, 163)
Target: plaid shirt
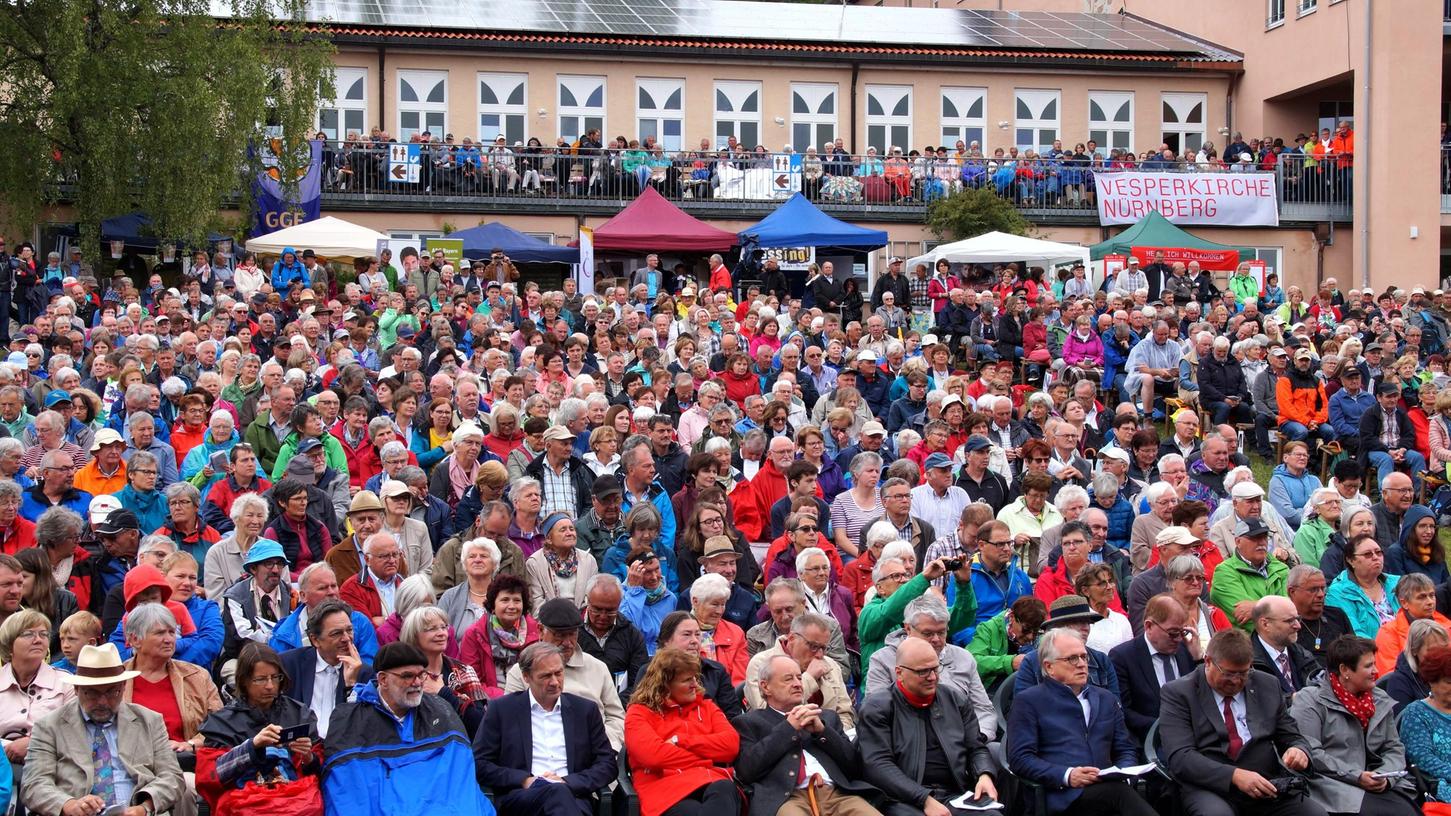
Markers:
point(559, 495)
point(921, 300)
point(1390, 433)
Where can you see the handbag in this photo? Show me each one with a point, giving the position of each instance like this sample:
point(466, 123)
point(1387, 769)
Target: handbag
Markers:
point(300, 797)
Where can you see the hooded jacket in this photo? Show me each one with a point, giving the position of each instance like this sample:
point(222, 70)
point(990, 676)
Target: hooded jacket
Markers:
point(1290, 494)
point(1301, 398)
point(1400, 561)
point(285, 272)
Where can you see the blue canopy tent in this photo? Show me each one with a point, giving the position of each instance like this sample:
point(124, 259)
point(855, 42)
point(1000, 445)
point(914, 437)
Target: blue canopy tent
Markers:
point(798, 223)
point(521, 248)
point(134, 228)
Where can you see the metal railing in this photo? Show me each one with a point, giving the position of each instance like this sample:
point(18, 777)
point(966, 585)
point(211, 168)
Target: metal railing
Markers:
point(1042, 187)
point(1446, 176)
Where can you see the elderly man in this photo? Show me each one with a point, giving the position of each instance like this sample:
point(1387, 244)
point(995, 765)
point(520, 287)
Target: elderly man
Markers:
point(719, 557)
point(899, 727)
point(252, 607)
point(821, 677)
point(584, 675)
point(55, 488)
point(1276, 650)
point(1152, 367)
point(1073, 612)
point(1249, 573)
point(100, 754)
point(897, 504)
point(1248, 502)
point(603, 523)
point(609, 636)
point(269, 429)
point(926, 619)
point(1226, 732)
point(365, 517)
point(49, 430)
point(371, 591)
point(316, 584)
point(1397, 494)
point(1146, 663)
point(1320, 625)
point(1387, 438)
point(764, 490)
point(785, 600)
point(565, 477)
point(1064, 731)
point(141, 436)
point(324, 671)
point(795, 753)
point(106, 472)
point(1222, 387)
point(543, 750)
point(1170, 543)
point(387, 719)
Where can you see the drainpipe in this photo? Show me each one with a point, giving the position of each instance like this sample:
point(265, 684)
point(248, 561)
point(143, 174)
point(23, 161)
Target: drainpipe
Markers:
point(1362, 170)
point(382, 84)
point(855, 70)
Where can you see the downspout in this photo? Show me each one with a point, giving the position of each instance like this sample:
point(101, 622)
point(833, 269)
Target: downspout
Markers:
point(382, 84)
point(1362, 172)
point(855, 70)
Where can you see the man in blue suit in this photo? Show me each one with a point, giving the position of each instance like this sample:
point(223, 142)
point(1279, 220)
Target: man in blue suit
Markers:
point(324, 673)
point(540, 750)
point(1145, 664)
point(1062, 731)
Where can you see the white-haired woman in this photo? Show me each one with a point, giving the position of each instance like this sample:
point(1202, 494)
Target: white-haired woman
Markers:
point(464, 602)
point(181, 693)
point(415, 592)
point(428, 629)
point(223, 565)
point(720, 640)
point(1162, 499)
point(1071, 501)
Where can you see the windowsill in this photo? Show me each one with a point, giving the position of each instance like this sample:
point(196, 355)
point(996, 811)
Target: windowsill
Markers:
point(1306, 12)
point(1274, 25)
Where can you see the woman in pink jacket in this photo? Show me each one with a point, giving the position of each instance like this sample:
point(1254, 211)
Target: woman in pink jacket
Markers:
point(1082, 349)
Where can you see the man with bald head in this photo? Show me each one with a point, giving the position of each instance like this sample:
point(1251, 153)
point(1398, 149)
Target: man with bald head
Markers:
point(1276, 647)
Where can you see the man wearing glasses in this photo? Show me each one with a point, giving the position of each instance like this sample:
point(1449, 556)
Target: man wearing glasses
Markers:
point(926, 618)
point(997, 579)
point(393, 716)
point(821, 678)
point(1320, 625)
point(1225, 733)
point(1146, 663)
point(1277, 652)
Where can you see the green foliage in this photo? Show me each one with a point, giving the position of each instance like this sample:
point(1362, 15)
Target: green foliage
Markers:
point(970, 213)
point(150, 105)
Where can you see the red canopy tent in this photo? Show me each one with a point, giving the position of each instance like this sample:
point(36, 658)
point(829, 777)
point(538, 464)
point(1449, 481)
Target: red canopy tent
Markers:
point(650, 223)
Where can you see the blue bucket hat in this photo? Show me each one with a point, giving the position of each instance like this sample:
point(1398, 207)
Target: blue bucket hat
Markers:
point(264, 550)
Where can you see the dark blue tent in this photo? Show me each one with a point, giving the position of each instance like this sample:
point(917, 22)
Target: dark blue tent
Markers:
point(798, 223)
point(480, 240)
point(135, 229)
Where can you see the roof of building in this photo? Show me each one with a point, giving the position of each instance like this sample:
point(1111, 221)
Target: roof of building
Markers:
point(766, 26)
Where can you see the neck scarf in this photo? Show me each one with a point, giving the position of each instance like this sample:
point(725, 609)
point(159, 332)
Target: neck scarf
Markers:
point(562, 567)
point(1361, 706)
point(915, 700)
point(505, 645)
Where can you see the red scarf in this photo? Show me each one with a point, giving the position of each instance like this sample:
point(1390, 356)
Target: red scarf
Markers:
point(915, 700)
point(1361, 706)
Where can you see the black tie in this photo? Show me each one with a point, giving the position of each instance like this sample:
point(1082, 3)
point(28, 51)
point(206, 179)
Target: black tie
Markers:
point(268, 612)
point(1168, 661)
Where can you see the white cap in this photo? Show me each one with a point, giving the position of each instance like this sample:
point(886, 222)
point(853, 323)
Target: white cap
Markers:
point(1247, 490)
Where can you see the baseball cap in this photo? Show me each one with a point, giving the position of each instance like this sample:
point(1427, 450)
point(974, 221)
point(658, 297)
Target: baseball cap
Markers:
point(102, 505)
point(937, 460)
point(57, 396)
point(868, 356)
point(1304, 354)
point(1252, 527)
point(1133, 260)
point(1175, 535)
point(606, 486)
point(406, 331)
point(1114, 453)
point(874, 428)
point(308, 445)
point(117, 521)
point(1386, 389)
point(394, 487)
point(1279, 351)
point(558, 433)
point(977, 442)
point(642, 556)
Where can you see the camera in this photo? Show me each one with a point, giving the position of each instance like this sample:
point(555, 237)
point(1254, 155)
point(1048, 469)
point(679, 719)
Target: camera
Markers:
point(952, 564)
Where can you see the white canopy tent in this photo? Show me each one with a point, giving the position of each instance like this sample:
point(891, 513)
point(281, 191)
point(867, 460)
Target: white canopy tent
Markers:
point(1000, 247)
point(332, 238)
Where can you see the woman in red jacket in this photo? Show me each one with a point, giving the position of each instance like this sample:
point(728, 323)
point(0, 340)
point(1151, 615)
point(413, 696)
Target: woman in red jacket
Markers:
point(680, 744)
point(738, 380)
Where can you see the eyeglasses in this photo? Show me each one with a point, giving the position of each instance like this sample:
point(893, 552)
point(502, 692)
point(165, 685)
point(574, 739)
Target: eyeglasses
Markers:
point(896, 496)
point(137, 471)
point(1191, 579)
point(268, 680)
point(1237, 675)
point(34, 634)
point(1006, 542)
point(1177, 634)
point(806, 528)
point(925, 672)
point(895, 576)
point(411, 677)
point(392, 556)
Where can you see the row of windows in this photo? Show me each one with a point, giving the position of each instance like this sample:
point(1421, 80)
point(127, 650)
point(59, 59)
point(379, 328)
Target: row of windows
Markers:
point(660, 112)
point(1276, 13)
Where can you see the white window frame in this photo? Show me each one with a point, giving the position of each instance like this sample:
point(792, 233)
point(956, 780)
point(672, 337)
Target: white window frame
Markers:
point(739, 95)
point(514, 84)
point(963, 126)
point(814, 95)
point(1183, 103)
point(432, 115)
point(586, 116)
point(660, 92)
point(1303, 7)
point(341, 105)
point(889, 122)
point(1103, 131)
point(1275, 13)
point(1043, 121)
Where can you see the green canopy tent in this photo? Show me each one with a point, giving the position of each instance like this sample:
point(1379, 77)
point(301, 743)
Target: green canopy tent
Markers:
point(1154, 231)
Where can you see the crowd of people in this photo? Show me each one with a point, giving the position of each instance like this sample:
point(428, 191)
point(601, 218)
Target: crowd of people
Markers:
point(1315, 167)
point(438, 541)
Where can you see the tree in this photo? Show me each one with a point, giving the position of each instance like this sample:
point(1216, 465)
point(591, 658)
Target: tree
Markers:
point(119, 105)
point(970, 213)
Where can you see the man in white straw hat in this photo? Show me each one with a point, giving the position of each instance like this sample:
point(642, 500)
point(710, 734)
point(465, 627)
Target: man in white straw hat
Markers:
point(99, 752)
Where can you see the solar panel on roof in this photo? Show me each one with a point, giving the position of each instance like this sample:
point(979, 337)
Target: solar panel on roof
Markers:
point(747, 20)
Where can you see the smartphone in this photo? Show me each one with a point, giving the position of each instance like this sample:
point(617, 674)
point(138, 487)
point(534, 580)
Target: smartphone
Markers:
point(1389, 774)
point(293, 732)
point(218, 461)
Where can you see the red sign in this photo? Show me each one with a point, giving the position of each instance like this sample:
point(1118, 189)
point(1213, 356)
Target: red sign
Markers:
point(1212, 260)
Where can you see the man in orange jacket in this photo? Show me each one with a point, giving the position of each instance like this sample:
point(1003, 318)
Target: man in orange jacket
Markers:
point(1304, 410)
point(1342, 152)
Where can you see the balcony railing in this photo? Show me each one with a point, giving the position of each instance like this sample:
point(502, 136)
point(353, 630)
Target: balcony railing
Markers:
point(1049, 189)
point(1446, 177)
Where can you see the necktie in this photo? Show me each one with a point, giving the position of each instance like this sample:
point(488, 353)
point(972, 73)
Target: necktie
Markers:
point(1285, 668)
point(1236, 742)
point(1168, 662)
point(105, 786)
point(268, 612)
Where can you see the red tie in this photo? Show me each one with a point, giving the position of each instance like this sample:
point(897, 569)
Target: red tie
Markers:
point(1236, 743)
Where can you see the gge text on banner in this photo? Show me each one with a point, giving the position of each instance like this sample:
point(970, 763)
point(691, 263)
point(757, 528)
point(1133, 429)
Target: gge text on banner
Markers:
point(1214, 199)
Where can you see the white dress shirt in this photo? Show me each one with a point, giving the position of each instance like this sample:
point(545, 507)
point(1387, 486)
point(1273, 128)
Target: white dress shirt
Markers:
point(1241, 714)
point(547, 731)
point(325, 681)
point(813, 767)
point(1156, 658)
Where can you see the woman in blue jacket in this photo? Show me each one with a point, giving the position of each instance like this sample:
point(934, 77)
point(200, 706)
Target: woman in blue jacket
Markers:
point(1292, 485)
point(1364, 592)
point(289, 270)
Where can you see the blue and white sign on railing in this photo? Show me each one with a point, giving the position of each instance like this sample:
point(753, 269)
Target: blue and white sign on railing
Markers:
point(404, 160)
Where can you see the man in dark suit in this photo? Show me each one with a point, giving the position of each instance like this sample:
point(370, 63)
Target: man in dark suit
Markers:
point(1224, 762)
point(542, 750)
point(795, 754)
point(1145, 664)
point(331, 664)
point(1063, 731)
point(1277, 652)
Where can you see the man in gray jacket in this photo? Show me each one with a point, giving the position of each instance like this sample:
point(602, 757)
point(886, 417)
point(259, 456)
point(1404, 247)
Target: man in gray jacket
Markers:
point(926, 619)
point(1262, 395)
point(920, 741)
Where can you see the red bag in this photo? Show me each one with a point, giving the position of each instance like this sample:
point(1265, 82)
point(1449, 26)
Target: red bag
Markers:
point(302, 797)
point(875, 189)
point(1436, 809)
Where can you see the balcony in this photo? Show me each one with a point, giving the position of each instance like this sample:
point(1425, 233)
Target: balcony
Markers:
point(852, 187)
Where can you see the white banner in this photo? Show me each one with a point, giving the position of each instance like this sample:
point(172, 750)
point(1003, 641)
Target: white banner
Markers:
point(1216, 199)
point(586, 264)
